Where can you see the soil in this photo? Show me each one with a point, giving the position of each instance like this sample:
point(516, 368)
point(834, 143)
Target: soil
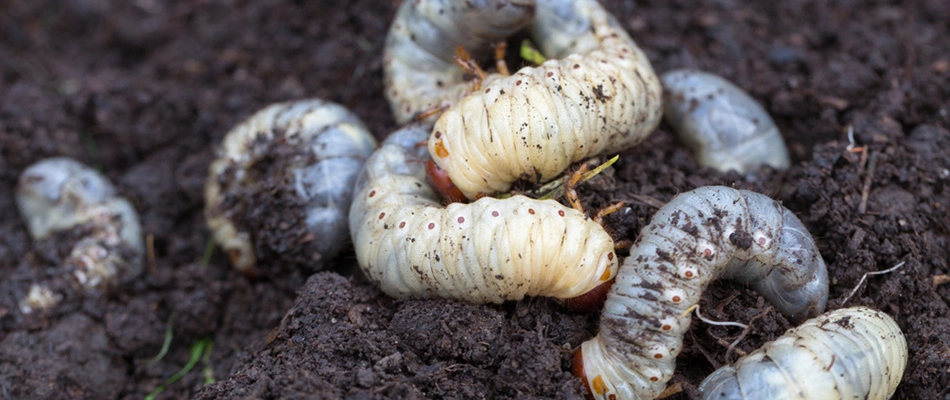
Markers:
point(145, 90)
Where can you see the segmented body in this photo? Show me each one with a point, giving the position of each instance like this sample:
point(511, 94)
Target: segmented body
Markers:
point(418, 62)
point(724, 126)
point(600, 96)
point(702, 235)
point(325, 146)
point(491, 250)
point(59, 194)
point(853, 353)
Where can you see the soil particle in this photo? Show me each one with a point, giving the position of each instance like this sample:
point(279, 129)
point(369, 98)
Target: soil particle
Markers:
point(423, 347)
point(72, 359)
point(136, 328)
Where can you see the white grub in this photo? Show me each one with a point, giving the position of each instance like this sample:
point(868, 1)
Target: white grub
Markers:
point(59, 194)
point(488, 251)
point(600, 95)
point(725, 127)
point(851, 353)
point(699, 236)
point(39, 298)
point(335, 144)
point(418, 59)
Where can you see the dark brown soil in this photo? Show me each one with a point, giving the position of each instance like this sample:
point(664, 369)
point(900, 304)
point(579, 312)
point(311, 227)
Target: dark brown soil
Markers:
point(144, 90)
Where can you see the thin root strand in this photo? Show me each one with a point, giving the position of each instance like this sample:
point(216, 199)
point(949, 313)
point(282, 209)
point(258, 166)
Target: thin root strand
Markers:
point(711, 322)
point(865, 277)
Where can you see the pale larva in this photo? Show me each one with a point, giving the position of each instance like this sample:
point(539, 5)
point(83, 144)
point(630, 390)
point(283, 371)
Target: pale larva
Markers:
point(491, 250)
point(418, 62)
point(852, 353)
point(60, 193)
point(532, 125)
point(708, 233)
point(40, 297)
point(724, 126)
point(323, 145)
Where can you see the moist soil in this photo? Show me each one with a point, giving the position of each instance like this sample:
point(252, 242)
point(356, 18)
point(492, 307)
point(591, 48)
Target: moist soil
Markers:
point(145, 90)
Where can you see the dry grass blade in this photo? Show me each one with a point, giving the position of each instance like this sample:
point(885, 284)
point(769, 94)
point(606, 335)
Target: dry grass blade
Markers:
point(555, 189)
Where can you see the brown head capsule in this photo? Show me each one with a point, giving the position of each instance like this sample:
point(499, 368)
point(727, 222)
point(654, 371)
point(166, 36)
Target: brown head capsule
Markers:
point(590, 301)
point(441, 182)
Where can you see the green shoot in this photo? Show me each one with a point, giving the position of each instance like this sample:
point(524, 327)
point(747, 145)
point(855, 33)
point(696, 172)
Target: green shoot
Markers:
point(556, 188)
point(207, 371)
point(92, 150)
point(209, 251)
point(165, 346)
point(201, 350)
point(531, 54)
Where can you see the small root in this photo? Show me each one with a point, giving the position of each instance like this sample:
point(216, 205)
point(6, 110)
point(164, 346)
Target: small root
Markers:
point(711, 322)
point(648, 200)
point(872, 161)
point(732, 346)
point(865, 277)
point(150, 253)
